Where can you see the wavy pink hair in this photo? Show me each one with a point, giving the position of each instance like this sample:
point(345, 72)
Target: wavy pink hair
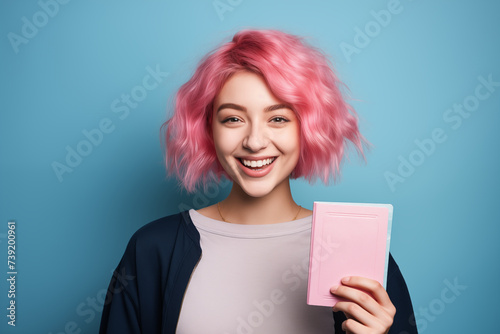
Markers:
point(296, 73)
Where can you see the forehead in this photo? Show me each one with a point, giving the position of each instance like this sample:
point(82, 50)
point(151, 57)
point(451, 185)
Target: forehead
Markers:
point(246, 88)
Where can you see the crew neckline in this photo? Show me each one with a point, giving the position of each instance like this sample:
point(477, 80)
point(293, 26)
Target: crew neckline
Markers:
point(249, 231)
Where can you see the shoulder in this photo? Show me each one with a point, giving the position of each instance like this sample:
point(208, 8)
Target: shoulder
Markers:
point(163, 226)
point(164, 232)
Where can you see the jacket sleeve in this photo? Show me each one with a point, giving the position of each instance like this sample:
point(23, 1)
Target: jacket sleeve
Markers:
point(121, 306)
point(404, 320)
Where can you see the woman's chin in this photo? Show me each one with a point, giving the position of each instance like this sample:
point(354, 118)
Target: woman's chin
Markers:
point(258, 189)
point(254, 190)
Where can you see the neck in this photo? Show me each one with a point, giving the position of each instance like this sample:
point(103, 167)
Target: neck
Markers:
point(275, 207)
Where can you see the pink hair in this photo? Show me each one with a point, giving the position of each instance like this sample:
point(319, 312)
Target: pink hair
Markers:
point(296, 73)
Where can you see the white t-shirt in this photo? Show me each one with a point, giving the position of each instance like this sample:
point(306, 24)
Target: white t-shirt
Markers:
point(252, 279)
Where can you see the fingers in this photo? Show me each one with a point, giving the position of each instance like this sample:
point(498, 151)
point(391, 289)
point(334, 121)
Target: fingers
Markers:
point(356, 314)
point(360, 299)
point(352, 326)
point(366, 305)
point(371, 286)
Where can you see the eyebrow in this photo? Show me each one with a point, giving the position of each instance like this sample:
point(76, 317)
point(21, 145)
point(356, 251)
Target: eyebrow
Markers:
point(241, 108)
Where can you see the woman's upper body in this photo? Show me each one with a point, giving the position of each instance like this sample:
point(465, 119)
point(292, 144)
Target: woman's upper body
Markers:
point(150, 284)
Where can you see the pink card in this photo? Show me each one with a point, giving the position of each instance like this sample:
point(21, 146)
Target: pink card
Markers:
point(347, 239)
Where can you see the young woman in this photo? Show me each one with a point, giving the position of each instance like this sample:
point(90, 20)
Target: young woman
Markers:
point(261, 109)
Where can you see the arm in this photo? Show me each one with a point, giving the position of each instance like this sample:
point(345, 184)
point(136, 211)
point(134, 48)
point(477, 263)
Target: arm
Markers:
point(120, 313)
point(146, 291)
point(403, 320)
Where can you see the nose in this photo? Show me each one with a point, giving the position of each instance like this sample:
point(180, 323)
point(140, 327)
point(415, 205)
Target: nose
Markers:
point(257, 138)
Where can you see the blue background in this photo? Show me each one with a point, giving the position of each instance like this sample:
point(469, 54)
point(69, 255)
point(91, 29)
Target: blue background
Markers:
point(72, 232)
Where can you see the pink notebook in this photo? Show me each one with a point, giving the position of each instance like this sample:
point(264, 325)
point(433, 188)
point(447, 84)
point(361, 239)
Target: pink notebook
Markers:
point(347, 239)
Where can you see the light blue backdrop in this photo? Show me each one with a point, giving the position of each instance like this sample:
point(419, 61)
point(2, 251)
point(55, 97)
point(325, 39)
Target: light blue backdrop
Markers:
point(425, 82)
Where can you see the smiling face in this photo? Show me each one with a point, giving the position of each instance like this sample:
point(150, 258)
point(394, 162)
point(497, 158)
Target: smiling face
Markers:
point(256, 136)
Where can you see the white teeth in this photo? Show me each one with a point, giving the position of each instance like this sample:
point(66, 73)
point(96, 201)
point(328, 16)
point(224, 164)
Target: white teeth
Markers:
point(257, 163)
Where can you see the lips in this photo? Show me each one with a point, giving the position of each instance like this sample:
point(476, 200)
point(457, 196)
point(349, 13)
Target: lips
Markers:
point(256, 167)
point(257, 163)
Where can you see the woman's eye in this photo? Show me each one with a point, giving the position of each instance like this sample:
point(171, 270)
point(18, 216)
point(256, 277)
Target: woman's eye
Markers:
point(231, 120)
point(279, 119)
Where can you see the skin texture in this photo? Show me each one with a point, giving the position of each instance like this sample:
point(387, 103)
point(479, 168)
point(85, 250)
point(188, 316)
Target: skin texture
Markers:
point(368, 308)
point(250, 122)
point(254, 132)
point(253, 123)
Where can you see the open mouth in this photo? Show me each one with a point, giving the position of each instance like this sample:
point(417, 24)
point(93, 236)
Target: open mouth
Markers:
point(257, 164)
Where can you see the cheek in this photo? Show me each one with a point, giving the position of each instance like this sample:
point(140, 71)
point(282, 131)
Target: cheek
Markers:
point(224, 144)
point(291, 142)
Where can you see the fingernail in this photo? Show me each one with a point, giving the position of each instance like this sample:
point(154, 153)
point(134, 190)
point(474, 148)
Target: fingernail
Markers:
point(345, 279)
point(334, 288)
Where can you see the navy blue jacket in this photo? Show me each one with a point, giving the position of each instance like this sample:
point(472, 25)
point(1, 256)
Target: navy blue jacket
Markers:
point(147, 288)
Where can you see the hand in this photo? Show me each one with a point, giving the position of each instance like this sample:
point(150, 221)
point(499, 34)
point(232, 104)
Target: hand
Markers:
point(367, 306)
